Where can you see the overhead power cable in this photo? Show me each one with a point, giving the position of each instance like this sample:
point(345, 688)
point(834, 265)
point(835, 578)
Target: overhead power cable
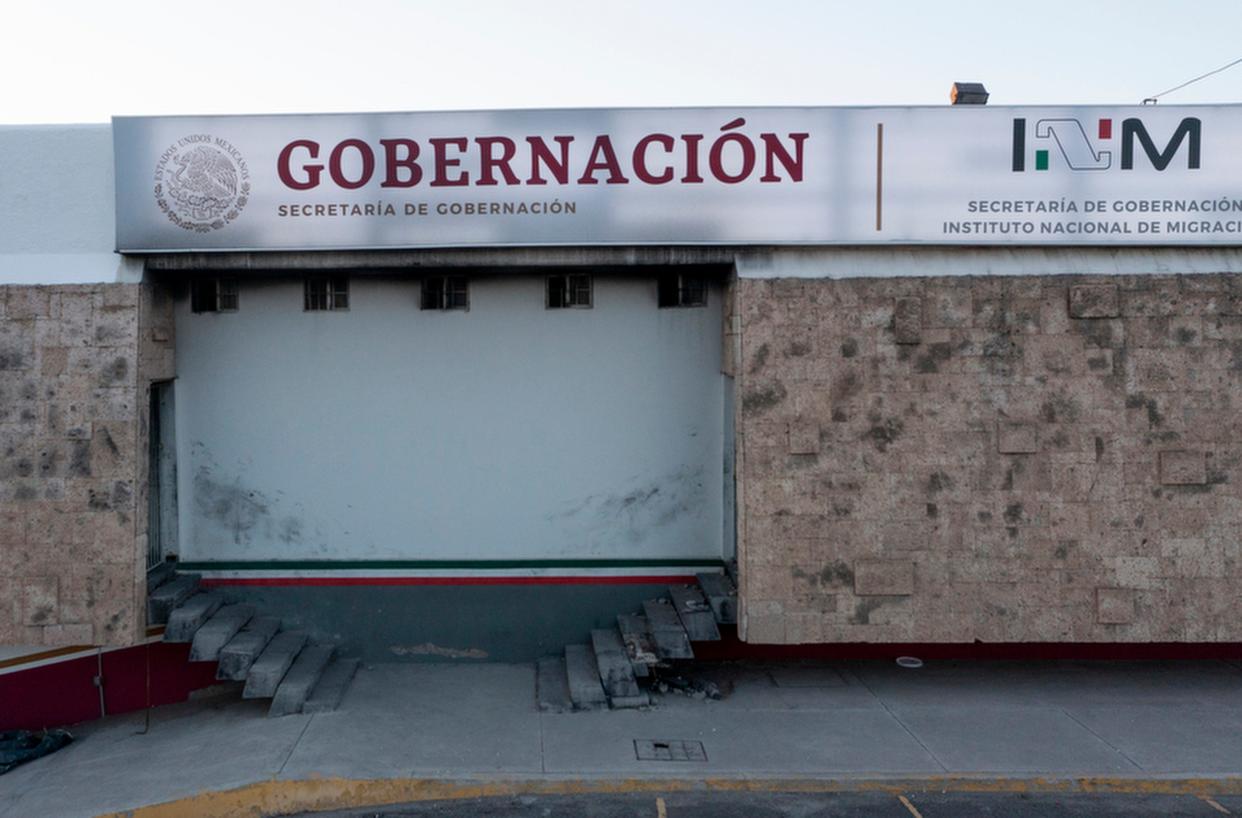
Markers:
point(1151, 100)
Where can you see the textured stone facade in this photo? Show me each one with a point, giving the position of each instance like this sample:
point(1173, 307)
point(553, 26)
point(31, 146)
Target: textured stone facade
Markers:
point(1034, 459)
point(75, 364)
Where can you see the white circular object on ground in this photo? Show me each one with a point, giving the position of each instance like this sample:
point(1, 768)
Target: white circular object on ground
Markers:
point(909, 661)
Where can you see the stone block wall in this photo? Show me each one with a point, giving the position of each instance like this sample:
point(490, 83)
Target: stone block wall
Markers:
point(73, 397)
point(1033, 459)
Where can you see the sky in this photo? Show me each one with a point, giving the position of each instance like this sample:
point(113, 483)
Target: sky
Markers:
point(87, 61)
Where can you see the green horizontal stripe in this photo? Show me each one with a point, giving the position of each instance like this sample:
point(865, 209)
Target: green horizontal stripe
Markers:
point(426, 565)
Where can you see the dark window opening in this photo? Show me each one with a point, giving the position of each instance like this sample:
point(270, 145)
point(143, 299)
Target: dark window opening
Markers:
point(568, 291)
point(676, 290)
point(446, 293)
point(326, 294)
point(213, 295)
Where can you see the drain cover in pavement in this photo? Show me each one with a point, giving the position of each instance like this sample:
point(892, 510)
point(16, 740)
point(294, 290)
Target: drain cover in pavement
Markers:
point(669, 750)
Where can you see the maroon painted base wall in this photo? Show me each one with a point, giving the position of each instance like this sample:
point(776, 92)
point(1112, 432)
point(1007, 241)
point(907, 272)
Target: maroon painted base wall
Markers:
point(730, 648)
point(64, 693)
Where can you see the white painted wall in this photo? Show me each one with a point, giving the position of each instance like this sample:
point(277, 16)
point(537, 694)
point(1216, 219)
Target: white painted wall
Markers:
point(57, 223)
point(509, 431)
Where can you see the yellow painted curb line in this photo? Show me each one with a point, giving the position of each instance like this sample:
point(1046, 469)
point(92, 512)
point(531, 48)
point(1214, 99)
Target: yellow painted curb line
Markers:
point(273, 798)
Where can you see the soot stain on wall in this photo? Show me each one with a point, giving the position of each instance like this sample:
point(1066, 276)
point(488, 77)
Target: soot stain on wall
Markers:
point(248, 515)
point(229, 505)
point(637, 513)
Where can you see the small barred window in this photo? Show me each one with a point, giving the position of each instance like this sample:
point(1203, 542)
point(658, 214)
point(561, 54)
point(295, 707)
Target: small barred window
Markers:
point(213, 295)
point(446, 293)
point(676, 290)
point(326, 293)
point(568, 291)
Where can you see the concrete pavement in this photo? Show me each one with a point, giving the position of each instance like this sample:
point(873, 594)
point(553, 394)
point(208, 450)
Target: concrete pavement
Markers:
point(409, 732)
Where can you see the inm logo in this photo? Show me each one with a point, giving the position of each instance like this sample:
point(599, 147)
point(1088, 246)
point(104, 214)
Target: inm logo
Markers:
point(1081, 152)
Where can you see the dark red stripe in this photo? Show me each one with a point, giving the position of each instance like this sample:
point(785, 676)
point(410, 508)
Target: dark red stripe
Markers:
point(64, 692)
point(660, 579)
point(730, 648)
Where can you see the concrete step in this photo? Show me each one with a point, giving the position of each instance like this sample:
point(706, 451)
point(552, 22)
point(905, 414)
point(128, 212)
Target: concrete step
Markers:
point(552, 685)
point(190, 615)
point(331, 688)
point(695, 613)
point(268, 670)
point(721, 594)
point(300, 679)
point(613, 665)
point(667, 632)
point(239, 654)
point(582, 672)
point(217, 631)
point(163, 600)
point(638, 643)
point(160, 574)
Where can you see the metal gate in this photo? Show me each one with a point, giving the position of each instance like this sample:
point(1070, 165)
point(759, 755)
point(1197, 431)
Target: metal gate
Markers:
point(162, 475)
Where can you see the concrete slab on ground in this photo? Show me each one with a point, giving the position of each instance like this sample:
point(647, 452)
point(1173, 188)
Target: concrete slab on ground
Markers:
point(1005, 740)
point(1191, 739)
point(1066, 684)
point(753, 743)
point(851, 722)
point(190, 747)
point(426, 720)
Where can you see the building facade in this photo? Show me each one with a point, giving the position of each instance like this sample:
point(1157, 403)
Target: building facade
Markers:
point(447, 438)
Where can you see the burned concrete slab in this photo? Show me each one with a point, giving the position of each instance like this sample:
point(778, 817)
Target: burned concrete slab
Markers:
point(216, 632)
point(300, 679)
point(721, 595)
point(330, 689)
point(269, 669)
point(667, 632)
point(582, 672)
point(613, 664)
point(552, 685)
point(242, 650)
point(639, 646)
point(188, 617)
point(695, 613)
point(164, 599)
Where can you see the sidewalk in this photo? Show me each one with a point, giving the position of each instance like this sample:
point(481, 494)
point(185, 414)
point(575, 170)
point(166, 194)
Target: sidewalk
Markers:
point(410, 731)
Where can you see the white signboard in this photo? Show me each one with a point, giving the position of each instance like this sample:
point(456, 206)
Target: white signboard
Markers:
point(945, 175)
